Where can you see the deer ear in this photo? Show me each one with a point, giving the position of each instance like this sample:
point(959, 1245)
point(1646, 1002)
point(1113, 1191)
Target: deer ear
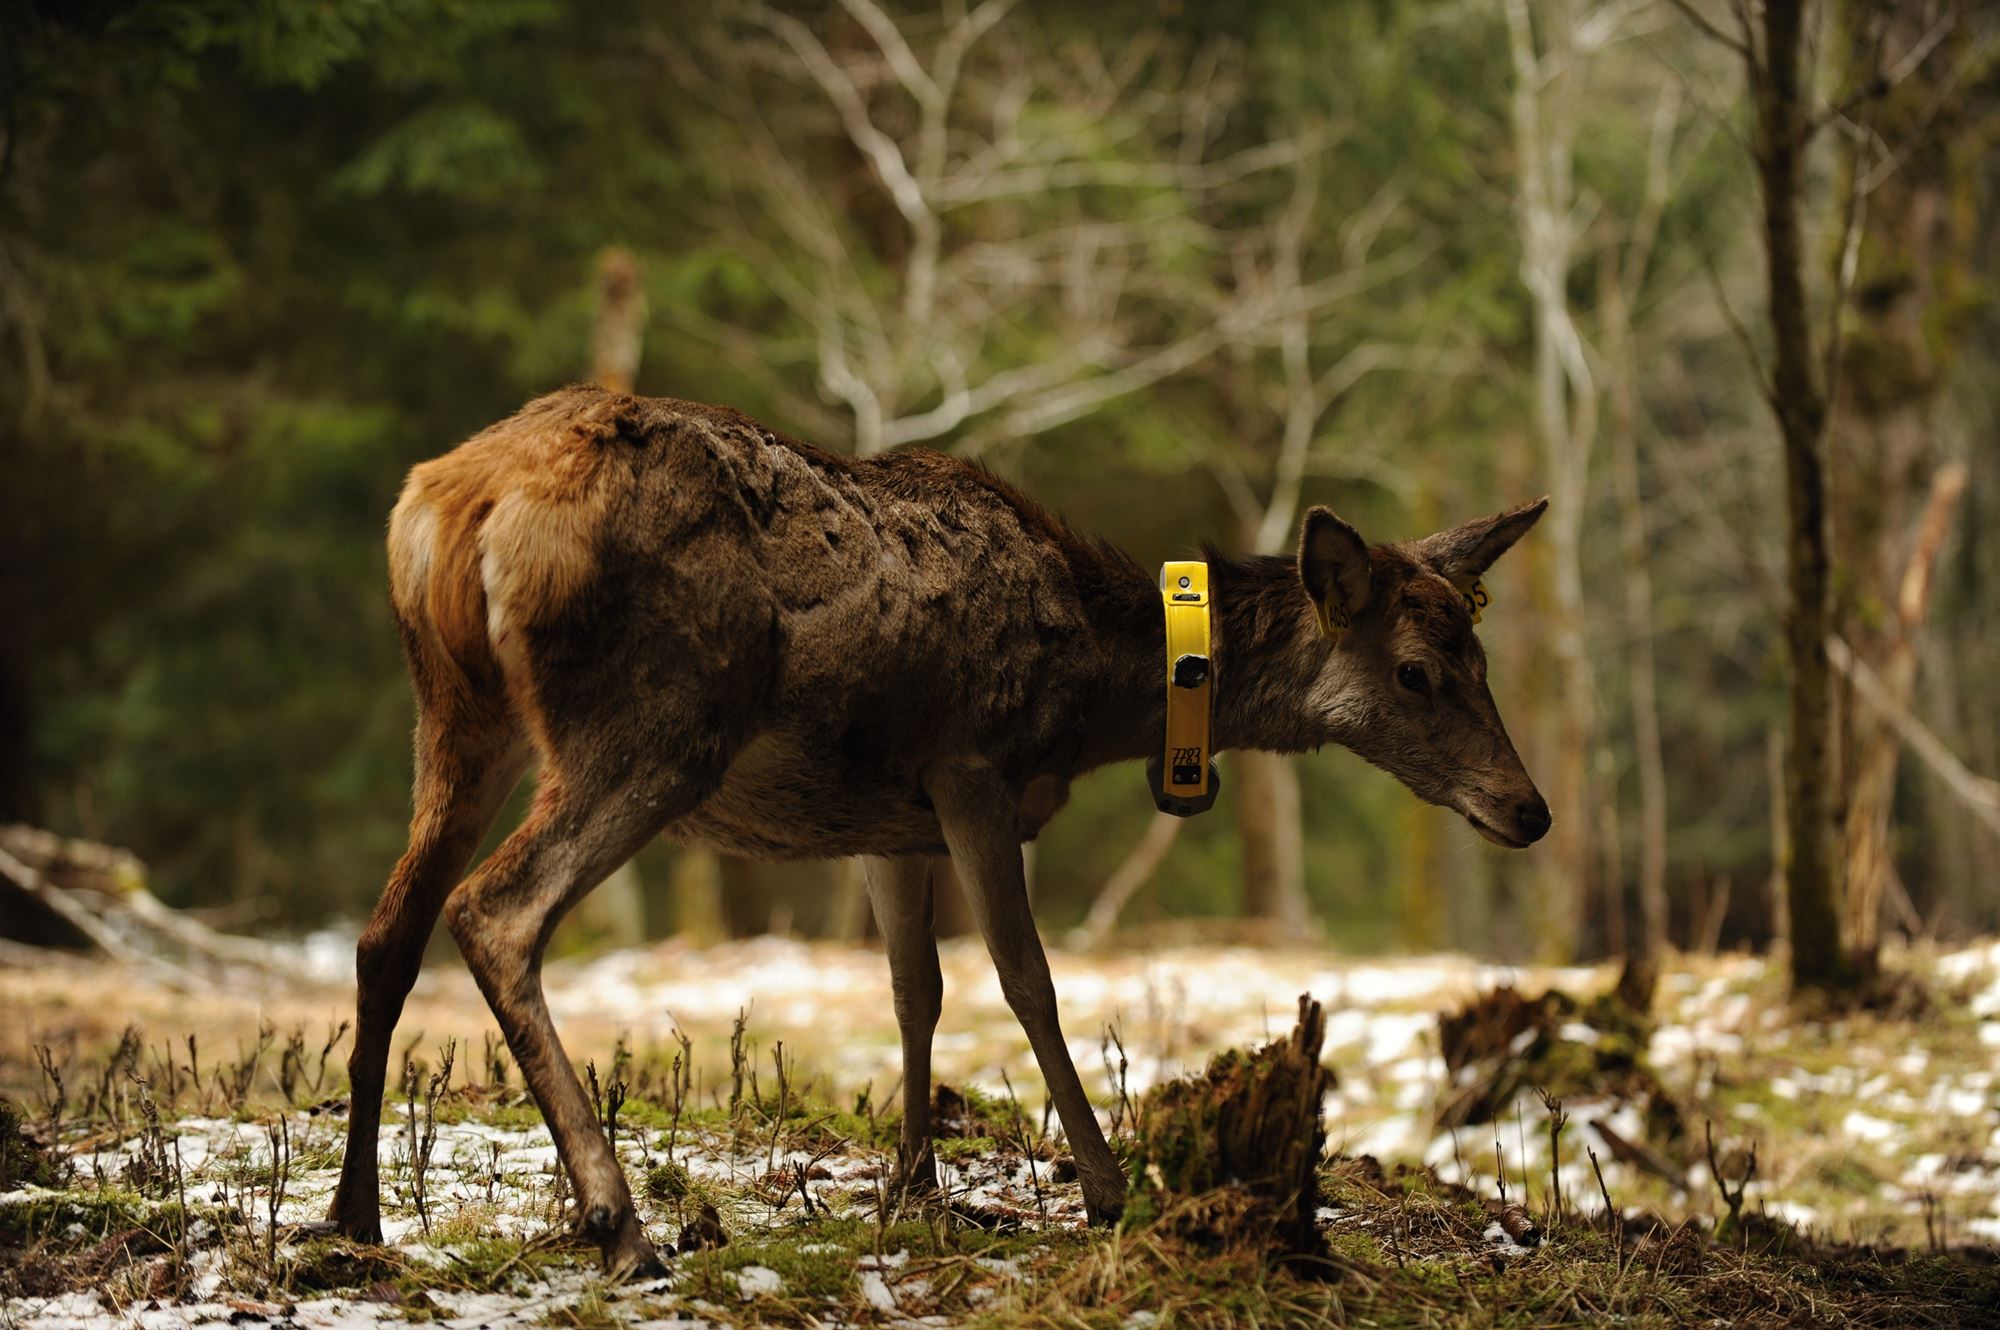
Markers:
point(1463, 553)
point(1335, 568)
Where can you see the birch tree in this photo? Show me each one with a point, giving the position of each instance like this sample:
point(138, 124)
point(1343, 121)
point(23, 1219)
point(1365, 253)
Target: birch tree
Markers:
point(1315, 360)
point(1266, 421)
point(971, 239)
point(1551, 44)
point(1622, 276)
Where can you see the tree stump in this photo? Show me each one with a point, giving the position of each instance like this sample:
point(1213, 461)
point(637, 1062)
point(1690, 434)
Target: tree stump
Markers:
point(1231, 1157)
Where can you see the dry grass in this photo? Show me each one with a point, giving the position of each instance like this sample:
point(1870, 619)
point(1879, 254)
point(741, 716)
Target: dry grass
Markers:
point(190, 1169)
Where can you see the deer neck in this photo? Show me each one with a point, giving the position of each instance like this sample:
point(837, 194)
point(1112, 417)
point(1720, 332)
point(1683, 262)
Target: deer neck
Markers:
point(1267, 652)
point(1268, 656)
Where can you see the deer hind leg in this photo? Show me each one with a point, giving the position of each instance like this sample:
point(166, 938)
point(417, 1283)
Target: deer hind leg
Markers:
point(464, 774)
point(502, 918)
point(977, 812)
point(900, 890)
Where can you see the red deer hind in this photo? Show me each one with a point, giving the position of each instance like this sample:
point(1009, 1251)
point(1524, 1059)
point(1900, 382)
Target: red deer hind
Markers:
point(698, 626)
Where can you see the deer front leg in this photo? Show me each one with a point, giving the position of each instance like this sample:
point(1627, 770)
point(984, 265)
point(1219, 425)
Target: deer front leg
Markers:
point(900, 891)
point(977, 812)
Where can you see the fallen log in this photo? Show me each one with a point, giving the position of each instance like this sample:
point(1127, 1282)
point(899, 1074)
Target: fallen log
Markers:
point(80, 894)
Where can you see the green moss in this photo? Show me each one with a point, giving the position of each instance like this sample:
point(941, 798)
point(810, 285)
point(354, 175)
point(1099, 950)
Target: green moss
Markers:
point(23, 1163)
point(952, 1149)
point(644, 1114)
point(329, 1265)
point(669, 1181)
point(878, 1131)
point(49, 1215)
point(515, 1115)
point(810, 1265)
point(1352, 1244)
point(594, 1309)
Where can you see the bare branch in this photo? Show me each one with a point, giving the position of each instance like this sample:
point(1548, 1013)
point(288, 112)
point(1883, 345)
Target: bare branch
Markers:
point(1852, 228)
point(1227, 468)
point(1065, 175)
point(1137, 869)
point(1980, 795)
point(1883, 82)
point(99, 933)
point(876, 147)
point(1080, 399)
point(1741, 332)
point(961, 403)
point(1653, 198)
point(903, 62)
point(1609, 23)
point(1710, 31)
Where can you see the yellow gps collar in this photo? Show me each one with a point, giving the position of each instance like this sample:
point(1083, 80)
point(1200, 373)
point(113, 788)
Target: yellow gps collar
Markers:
point(1183, 774)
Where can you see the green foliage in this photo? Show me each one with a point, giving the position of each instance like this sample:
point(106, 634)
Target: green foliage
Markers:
point(257, 259)
point(293, 250)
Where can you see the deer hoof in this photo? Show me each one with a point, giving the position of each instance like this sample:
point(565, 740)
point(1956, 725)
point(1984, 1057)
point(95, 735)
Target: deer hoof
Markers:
point(635, 1264)
point(1104, 1206)
point(915, 1182)
point(628, 1255)
point(359, 1228)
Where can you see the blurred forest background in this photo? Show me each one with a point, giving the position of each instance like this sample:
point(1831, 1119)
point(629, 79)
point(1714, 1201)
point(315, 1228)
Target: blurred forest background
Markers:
point(1177, 269)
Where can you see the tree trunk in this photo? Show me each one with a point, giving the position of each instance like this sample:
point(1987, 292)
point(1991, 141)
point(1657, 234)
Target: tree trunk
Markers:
point(17, 788)
point(1645, 936)
point(1422, 900)
point(615, 913)
point(1813, 880)
point(1268, 825)
point(1267, 816)
point(951, 913)
point(1781, 846)
point(619, 335)
point(697, 895)
point(850, 914)
point(1958, 877)
point(1877, 746)
point(1139, 865)
point(1545, 59)
point(1913, 256)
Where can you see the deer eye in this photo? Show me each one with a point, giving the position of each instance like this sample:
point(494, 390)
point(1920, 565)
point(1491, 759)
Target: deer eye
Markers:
point(1412, 677)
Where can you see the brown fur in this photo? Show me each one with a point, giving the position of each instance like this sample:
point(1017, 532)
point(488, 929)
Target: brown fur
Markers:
point(840, 622)
point(702, 627)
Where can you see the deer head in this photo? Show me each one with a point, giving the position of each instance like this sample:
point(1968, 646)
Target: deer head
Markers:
point(1405, 683)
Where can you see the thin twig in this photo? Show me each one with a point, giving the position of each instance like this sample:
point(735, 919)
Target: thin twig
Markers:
point(1709, 29)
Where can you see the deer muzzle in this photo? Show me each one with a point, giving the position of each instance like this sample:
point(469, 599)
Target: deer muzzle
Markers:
point(1516, 825)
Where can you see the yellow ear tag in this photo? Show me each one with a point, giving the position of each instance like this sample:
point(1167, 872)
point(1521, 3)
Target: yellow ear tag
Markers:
point(1333, 620)
point(1476, 599)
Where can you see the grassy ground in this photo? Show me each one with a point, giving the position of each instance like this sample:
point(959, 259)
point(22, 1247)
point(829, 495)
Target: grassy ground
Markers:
point(178, 1183)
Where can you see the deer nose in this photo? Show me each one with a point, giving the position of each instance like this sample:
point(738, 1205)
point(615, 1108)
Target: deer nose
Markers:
point(1531, 818)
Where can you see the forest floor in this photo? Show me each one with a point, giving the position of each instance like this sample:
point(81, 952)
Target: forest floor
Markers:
point(157, 1179)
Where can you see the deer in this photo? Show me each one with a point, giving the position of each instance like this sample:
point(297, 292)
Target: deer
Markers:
point(693, 625)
